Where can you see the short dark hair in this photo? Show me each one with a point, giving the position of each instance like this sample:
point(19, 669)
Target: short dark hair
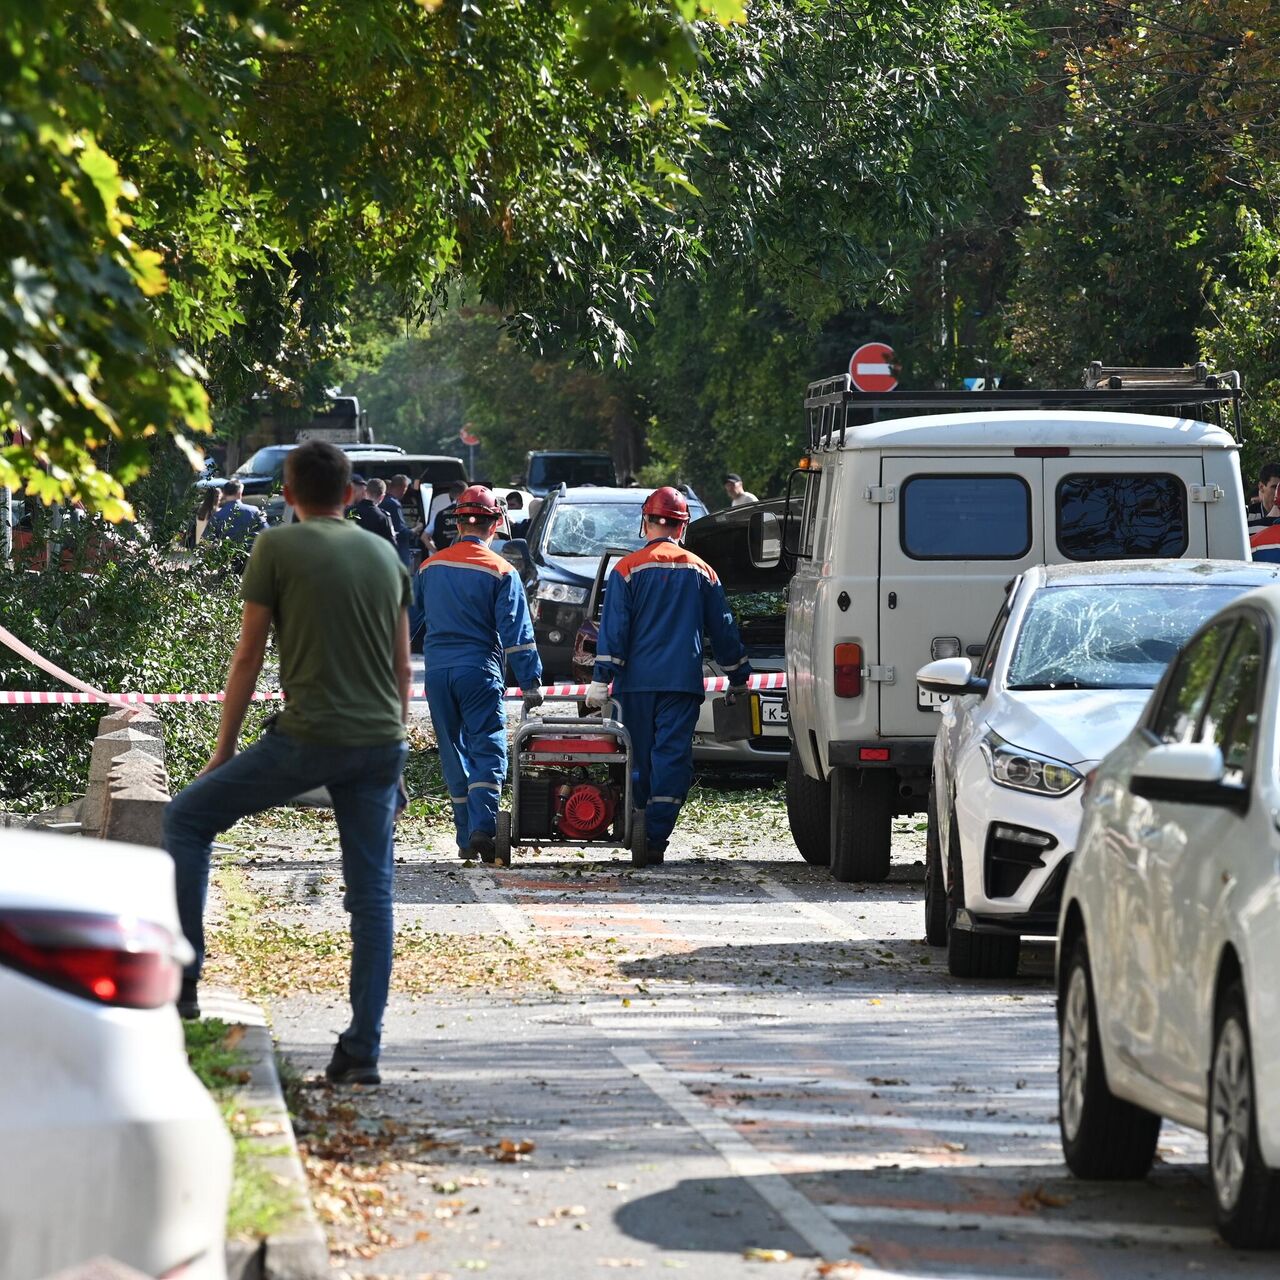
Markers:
point(232, 489)
point(1270, 471)
point(318, 473)
point(376, 487)
point(456, 488)
point(733, 478)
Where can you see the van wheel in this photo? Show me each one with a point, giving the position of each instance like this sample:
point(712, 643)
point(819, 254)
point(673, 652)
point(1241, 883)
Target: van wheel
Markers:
point(1246, 1193)
point(973, 955)
point(1103, 1137)
point(935, 890)
point(808, 812)
point(861, 824)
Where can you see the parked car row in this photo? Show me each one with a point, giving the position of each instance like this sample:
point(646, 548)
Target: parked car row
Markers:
point(1107, 774)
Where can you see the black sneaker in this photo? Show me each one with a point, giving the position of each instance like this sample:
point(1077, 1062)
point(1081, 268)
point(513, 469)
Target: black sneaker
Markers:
point(482, 845)
point(344, 1069)
point(188, 1000)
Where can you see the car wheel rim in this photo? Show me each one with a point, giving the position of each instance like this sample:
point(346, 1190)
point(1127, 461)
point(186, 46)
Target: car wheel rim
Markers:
point(1074, 1056)
point(1230, 1113)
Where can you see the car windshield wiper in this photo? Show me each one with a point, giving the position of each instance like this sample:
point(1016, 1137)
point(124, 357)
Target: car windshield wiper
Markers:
point(1055, 684)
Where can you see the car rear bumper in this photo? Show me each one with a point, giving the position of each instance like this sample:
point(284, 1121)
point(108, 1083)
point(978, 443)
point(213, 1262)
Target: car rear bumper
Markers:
point(124, 1153)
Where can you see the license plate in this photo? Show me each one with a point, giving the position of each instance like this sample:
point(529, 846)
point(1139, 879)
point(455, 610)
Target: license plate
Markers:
point(773, 711)
point(927, 701)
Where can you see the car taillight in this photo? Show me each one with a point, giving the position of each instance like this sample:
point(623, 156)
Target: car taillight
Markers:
point(848, 670)
point(113, 960)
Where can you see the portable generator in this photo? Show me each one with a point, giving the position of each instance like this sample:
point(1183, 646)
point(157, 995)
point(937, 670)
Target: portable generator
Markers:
point(571, 785)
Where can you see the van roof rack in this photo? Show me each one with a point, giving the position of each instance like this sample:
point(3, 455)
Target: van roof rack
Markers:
point(832, 405)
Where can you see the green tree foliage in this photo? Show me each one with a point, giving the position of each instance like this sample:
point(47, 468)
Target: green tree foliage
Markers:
point(214, 176)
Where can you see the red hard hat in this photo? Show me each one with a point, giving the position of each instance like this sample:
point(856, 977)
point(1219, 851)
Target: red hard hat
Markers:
point(667, 504)
point(477, 501)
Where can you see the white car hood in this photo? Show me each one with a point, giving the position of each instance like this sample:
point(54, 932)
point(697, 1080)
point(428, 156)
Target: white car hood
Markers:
point(1071, 725)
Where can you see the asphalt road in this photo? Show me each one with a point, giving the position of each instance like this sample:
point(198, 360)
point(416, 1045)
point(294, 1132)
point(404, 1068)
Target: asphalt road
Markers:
point(728, 1054)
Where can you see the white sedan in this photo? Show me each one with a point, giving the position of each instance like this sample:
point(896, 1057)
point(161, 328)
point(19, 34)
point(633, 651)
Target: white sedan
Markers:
point(1170, 929)
point(112, 1146)
point(1068, 667)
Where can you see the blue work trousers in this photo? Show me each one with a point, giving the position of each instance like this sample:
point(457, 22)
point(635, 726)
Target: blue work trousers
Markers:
point(661, 727)
point(364, 784)
point(466, 712)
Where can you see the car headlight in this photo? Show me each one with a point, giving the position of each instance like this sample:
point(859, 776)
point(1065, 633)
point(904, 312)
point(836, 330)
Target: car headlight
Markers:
point(1026, 770)
point(561, 593)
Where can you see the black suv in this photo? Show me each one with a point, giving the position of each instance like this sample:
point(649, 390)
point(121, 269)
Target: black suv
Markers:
point(558, 560)
point(547, 469)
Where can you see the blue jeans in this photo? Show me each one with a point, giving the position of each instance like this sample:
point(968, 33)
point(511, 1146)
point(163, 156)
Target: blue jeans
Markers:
point(471, 731)
point(363, 782)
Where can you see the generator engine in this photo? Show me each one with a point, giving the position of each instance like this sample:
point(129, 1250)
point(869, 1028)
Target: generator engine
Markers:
point(584, 810)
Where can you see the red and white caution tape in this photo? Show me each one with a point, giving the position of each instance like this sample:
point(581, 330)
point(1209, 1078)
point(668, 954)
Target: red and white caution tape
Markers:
point(776, 681)
point(87, 693)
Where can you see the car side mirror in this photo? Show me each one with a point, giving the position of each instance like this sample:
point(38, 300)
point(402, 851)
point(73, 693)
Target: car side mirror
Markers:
point(764, 539)
point(516, 554)
point(953, 676)
point(1186, 773)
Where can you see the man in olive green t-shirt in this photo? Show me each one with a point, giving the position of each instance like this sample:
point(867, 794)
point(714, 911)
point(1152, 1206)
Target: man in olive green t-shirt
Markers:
point(337, 600)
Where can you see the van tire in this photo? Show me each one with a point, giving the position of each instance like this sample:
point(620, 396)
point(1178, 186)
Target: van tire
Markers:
point(861, 824)
point(973, 955)
point(935, 889)
point(808, 812)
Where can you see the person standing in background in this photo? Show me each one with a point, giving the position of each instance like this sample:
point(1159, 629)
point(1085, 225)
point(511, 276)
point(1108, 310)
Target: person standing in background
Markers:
point(368, 512)
point(737, 495)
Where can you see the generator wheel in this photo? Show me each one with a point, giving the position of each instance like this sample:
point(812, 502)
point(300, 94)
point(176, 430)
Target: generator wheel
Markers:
point(502, 840)
point(639, 841)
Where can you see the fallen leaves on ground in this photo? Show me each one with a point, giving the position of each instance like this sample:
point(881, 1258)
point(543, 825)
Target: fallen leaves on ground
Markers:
point(511, 1150)
point(1039, 1198)
point(766, 1255)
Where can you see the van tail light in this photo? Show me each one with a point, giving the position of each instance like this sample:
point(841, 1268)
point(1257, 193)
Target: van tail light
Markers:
point(112, 960)
point(848, 670)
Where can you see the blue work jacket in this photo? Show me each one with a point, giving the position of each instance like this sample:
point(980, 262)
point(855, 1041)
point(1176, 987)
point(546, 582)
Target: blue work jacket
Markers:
point(658, 604)
point(476, 614)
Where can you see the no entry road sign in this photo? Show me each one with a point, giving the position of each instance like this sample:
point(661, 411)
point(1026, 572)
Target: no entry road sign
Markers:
point(871, 367)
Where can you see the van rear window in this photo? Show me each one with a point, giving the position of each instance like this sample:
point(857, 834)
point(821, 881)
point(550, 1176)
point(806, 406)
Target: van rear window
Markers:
point(959, 517)
point(1121, 517)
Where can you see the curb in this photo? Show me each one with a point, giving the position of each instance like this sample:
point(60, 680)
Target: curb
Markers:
point(299, 1250)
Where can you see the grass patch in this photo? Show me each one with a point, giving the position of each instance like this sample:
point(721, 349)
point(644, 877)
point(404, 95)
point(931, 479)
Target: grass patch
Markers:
point(259, 1203)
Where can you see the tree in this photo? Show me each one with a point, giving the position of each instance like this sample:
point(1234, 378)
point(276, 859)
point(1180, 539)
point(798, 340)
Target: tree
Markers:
point(215, 176)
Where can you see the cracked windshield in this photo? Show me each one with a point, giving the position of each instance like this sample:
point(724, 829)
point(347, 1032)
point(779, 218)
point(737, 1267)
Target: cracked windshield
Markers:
point(590, 528)
point(1107, 637)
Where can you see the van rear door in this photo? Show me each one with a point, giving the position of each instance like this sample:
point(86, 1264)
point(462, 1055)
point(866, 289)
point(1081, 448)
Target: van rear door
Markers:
point(1103, 507)
point(953, 531)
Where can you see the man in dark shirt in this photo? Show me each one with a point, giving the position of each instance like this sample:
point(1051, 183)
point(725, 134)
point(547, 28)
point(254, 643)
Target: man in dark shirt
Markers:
point(368, 512)
point(235, 520)
point(445, 529)
point(393, 504)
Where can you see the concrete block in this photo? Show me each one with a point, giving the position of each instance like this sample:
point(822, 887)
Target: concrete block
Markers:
point(141, 718)
point(107, 746)
point(137, 792)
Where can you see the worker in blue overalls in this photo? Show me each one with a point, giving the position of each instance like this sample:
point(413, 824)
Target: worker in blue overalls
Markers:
point(659, 603)
point(476, 616)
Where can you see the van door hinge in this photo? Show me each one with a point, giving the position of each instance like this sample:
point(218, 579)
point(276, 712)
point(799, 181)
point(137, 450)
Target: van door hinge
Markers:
point(883, 674)
point(1206, 493)
point(881, 493)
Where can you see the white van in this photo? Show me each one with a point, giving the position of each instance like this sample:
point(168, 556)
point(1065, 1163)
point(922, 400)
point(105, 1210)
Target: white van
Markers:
point(913, 527)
